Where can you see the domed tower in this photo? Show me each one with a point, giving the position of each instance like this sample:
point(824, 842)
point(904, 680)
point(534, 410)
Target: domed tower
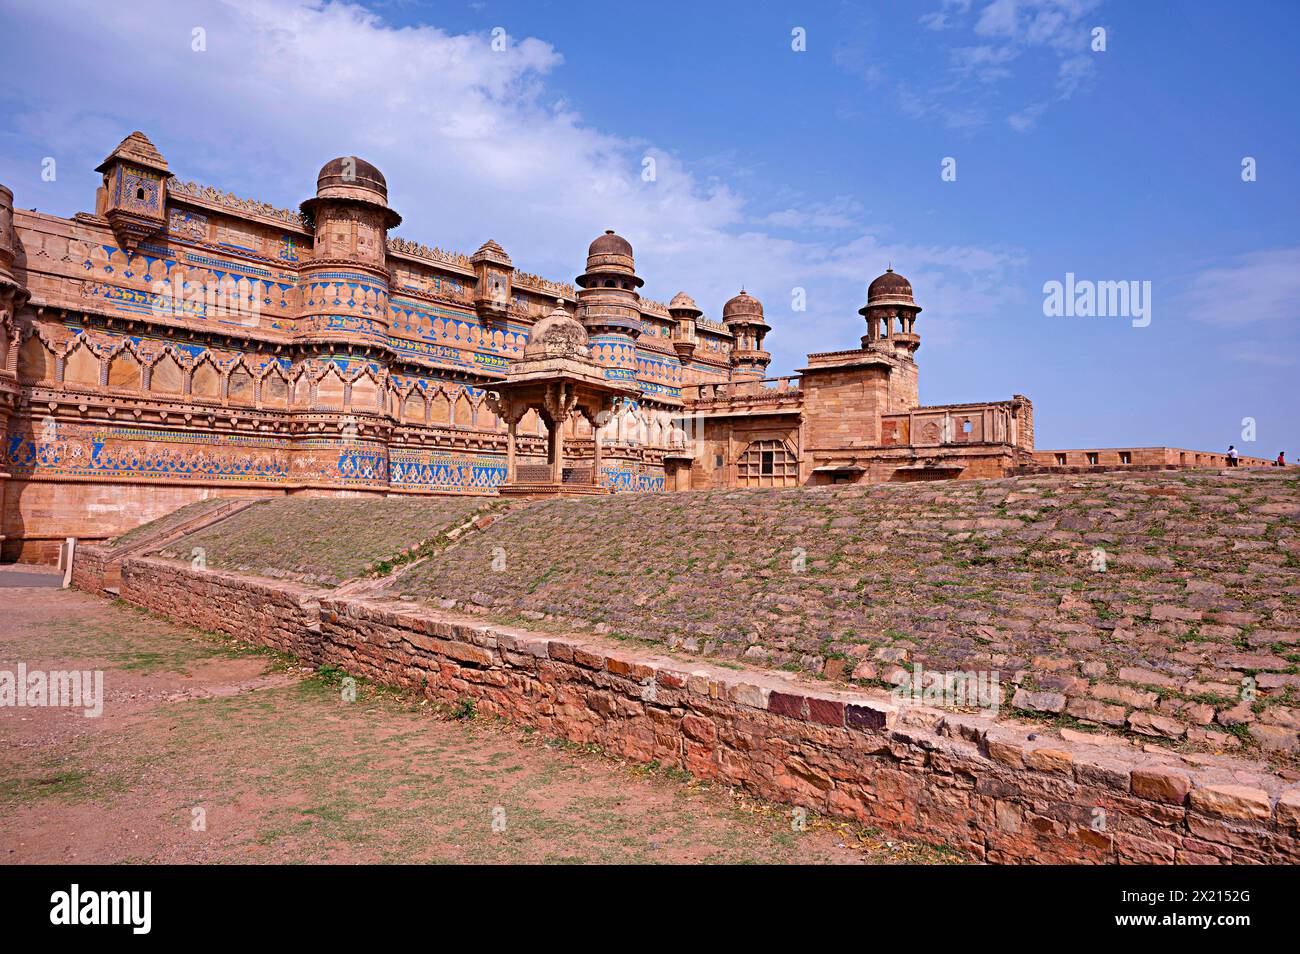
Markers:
point(743, 317)
point(345, 285)
point(891, 316)
point(609, 305)
point(891, 329)
point(684, 312)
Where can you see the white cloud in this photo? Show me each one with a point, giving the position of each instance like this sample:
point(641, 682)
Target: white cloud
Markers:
point(985, 63)
point(1256, 288)
point(1025, 119)
point(1005, 33)
point(1262, 353)
point(474, 145)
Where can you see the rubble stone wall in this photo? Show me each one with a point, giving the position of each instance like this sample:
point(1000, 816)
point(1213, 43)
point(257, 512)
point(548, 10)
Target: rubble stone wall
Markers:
point(1001, 792)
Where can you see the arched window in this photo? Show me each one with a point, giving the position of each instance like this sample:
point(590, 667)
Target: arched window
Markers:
point(767, 464)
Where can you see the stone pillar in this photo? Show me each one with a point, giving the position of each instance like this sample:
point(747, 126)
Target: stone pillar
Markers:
point(595, 457)
point(512, 427)
point(557, 451)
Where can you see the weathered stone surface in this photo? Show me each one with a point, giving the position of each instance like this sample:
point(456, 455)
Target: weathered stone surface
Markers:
point(1148, 724)
point(1161, 784)
point(1038, 701)
point(1232, 801)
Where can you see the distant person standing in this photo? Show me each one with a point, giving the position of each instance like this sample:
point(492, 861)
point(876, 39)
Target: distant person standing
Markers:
point(1232, 455)
point(1281, 458)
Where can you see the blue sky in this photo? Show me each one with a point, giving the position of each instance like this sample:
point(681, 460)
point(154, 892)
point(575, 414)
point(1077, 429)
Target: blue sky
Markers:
point(775, 169)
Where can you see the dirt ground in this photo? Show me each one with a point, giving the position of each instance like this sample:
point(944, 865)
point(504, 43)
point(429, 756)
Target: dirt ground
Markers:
point(209, 751)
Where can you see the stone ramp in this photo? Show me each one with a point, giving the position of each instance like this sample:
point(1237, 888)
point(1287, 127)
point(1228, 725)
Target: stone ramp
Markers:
point(99, 566)
point(326, 541)
point(1161, 606)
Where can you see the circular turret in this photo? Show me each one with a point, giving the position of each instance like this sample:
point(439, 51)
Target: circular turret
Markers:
point(349, 218)
point(610, 264)
point(891, 312)
point(351, 180)
point(608, 304)
point(684, 312)
point(743, 317)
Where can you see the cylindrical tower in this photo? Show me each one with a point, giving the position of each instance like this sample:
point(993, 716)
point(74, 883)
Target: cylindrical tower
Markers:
point(344, 287)
point(891, 315)
point(609, 305)
point(743, 317)
point(891, 328)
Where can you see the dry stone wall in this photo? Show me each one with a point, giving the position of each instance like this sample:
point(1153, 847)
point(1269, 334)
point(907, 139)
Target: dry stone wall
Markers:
point(1002, 792)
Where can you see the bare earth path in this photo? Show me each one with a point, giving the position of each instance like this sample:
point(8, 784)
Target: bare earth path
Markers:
point(281, 769)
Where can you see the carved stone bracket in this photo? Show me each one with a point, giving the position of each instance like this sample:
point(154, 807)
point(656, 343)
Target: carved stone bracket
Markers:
point(560, 401)
point(510, 411)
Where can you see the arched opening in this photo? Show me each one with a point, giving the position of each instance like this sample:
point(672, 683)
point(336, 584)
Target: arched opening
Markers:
point(166, 376)
point(35, 362)
point(329, 391)
point(206, 382)
point(239, 389)
point(365, 394)
point(81, 367)
point(275, 390)
point(124, 370)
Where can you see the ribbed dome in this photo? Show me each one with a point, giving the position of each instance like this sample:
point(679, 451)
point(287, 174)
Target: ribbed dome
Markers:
point(490, 251)
point(889, 285)
point(138, 149)
point(351, 171)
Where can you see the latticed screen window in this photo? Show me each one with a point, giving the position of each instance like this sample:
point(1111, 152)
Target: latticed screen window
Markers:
point(768, 464)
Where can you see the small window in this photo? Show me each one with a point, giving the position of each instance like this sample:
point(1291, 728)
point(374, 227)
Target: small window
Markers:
point(717, 461)
point(768, 463)
point(1060, 460)
point(1092, 460)
point(1125, 457)
point(139, 194)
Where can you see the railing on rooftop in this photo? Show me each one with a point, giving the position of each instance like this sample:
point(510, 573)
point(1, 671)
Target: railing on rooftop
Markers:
point(765, 389)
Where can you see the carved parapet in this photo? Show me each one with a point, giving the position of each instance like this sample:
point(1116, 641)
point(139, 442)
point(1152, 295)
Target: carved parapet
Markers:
point(213, 196)
point(404, 246)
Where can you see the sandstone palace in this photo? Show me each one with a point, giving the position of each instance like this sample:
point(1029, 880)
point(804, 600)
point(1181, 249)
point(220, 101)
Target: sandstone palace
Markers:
point(181, 343)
